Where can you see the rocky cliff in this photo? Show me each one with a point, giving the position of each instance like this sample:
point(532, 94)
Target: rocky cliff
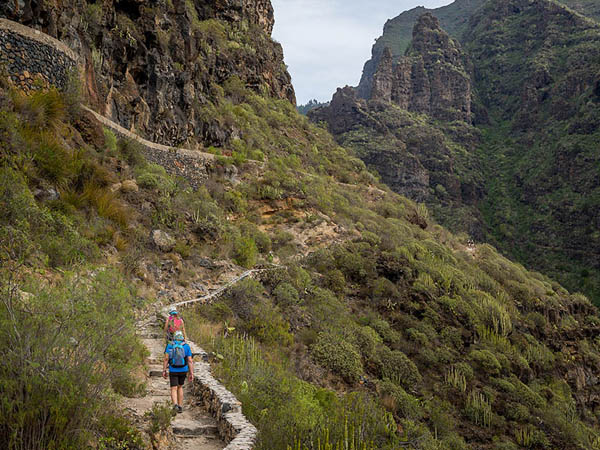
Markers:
point(414, 127)
point(155, 66)
point(534, 99)
point(454, 18)
point(433, 78)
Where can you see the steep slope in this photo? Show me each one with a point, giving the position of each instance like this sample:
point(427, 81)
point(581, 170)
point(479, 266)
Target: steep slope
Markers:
point(154, 67)
point(380, 329)
point(414, 127)
point(397, 32)
point(534, 96)
point(541, 155)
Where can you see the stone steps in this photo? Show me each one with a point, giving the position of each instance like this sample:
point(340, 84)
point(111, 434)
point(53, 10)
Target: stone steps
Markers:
point(191, 428)
point(194, 429)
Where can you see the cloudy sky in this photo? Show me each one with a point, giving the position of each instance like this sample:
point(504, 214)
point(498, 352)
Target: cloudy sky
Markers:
point(327, 42)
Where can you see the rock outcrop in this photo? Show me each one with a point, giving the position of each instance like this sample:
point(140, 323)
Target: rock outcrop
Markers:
point(433, 78)
point(395, 129)
point(154, 67)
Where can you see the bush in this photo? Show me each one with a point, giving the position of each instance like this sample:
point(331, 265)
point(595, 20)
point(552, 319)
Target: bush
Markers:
point(399, 401)
point(487, 361)
point(160, 416)
point(338, 355)
point(73, 336)
point(268, 326)
point(366, 340)
point(397, 367)
point(286, 294)
point(110, 140)
point(153, 176)
point(132, 152)
point(245, 251)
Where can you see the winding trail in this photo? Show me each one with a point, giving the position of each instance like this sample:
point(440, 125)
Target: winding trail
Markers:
point(212, 417)
point(195, 428)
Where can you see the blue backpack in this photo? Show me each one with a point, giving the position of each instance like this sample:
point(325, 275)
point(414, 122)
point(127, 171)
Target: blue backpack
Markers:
point(177, 355)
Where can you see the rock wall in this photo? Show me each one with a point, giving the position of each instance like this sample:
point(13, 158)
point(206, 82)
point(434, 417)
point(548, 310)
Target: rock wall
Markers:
point(158, 66)
point(32, 59)
point(192, 165)
point(433, 78)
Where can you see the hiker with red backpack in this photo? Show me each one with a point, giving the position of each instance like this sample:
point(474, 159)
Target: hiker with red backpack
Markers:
point(173, 324)
point(179, 360)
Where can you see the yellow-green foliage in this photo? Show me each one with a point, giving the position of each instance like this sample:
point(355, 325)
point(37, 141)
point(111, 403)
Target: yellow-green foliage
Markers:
point(397, 367)
point(336, 354)
point(455, 378)
point(478, 409)
point(73, 335)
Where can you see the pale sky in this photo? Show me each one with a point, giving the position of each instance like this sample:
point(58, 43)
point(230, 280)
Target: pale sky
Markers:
point(327, 42)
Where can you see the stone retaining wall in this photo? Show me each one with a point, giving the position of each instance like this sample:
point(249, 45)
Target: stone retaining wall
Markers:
point(32, 59)
point(192, 165)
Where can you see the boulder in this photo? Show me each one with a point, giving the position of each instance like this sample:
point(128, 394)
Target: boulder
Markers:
point(129, 186)
point(163, 241)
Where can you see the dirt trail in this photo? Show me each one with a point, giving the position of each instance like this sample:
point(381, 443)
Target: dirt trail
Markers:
point(195, 428)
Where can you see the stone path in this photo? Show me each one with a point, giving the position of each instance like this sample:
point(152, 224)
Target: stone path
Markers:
point(123, 132)
point(195, 428)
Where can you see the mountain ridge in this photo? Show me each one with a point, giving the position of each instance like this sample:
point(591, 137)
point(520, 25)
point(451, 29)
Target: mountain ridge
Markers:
point(382, 328)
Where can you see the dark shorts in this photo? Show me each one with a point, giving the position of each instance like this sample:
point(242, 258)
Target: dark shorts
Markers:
point(177, 378)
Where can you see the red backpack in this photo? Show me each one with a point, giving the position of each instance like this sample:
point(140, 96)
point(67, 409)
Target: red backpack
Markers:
point(175, 324)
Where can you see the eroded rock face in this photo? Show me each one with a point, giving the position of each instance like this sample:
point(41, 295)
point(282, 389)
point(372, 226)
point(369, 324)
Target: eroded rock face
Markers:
point(429, 156)
point(433, 78)
point(154, 66)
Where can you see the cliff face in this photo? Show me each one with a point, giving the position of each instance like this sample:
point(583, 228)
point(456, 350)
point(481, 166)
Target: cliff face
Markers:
point(454, 18)
point(398, 33)
point(534, 97)
point(396, 129)
point(433, 78)
point(153, 66)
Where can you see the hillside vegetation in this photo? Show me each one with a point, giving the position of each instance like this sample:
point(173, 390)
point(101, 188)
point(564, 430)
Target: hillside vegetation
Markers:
point(381, 328)
point(521, 171)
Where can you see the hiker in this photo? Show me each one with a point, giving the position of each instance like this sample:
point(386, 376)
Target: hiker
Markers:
point(178, 357)
point(174, 324)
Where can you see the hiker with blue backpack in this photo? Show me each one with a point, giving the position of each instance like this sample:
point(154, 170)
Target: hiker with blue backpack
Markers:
point(179, 360)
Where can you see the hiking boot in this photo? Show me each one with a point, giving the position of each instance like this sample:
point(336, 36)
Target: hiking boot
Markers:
point(176, 408)
point(179, 408)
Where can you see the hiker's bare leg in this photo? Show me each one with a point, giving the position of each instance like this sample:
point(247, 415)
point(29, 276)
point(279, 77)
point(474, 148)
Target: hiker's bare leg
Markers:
point(180, 395)
point(174, 393)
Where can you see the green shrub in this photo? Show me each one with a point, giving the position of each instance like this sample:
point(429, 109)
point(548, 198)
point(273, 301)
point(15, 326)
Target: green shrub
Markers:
point(153, 176)
point(268, 325)
point(132, 152)
point(245, 251)
point(399, 401)
point(286, 294)
point(110, 140)
point(338, 355)
point(118, 433)
point(160, 416)
point(487, 361)
point(366, 340)
point(397, 367)
point(73, 335)
point(525, 395)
